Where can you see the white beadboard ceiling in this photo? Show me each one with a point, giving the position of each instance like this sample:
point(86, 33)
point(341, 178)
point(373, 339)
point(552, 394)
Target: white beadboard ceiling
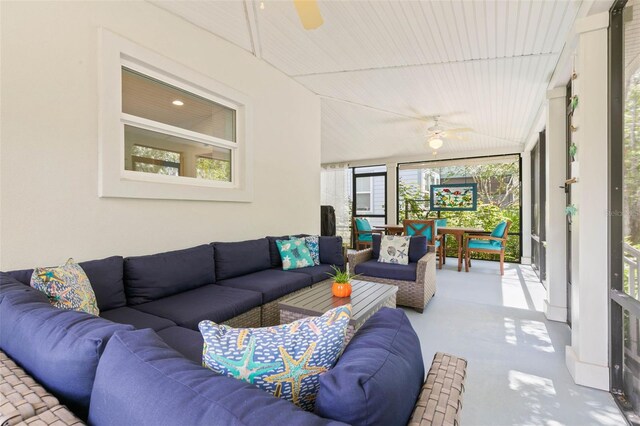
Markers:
point(384, 67)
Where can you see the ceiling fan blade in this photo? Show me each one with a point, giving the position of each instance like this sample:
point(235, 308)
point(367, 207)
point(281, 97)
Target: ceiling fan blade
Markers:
point(459, 130)
point(309, 13)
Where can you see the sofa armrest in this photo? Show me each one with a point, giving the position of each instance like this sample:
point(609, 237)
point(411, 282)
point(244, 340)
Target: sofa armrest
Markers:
point(440, 401)
point(357, 258)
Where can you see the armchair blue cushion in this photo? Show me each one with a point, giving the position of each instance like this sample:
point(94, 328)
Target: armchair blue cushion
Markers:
point(498, 231)
point(420, 229)
point(485, 245)
point(391, 271)
point(363, 225)
point(441, 223)
point(417, 247)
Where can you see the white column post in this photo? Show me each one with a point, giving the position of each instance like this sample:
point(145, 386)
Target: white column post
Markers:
point(555, 303)
point(392, 193)
point(588, 358)
point(525, 227)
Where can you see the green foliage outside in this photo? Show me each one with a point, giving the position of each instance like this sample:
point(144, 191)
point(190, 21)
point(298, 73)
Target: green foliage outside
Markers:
point(212, 169)
point(498, 199)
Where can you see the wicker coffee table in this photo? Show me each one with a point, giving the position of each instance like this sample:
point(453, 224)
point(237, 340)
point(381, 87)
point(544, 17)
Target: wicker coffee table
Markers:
point(366, 299)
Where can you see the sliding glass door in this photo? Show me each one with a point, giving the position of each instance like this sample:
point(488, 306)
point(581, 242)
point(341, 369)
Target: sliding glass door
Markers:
point(538, 198)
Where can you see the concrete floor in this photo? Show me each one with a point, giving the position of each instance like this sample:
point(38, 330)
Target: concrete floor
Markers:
point(516, 373)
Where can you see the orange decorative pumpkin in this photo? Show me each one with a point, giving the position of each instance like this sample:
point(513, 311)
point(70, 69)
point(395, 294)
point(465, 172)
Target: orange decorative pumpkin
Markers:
point(341, 289)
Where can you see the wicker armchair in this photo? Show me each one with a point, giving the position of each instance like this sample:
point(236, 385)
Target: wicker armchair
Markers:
point(414, 294)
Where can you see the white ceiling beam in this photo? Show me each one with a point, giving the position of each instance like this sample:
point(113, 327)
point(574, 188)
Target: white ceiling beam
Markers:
point(253, 26)
point(427, 64)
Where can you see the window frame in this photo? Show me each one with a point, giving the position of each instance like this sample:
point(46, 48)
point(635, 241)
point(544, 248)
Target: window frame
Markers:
point(114, 180)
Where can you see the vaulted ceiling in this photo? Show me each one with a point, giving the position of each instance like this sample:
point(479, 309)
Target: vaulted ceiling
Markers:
point(383, 69)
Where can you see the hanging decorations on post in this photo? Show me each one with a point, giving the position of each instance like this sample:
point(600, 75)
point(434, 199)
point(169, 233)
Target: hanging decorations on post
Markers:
point(574, 102)
point(573, 150)
point(571, 210)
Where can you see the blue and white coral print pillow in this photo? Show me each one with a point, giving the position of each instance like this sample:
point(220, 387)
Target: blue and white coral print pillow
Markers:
point(285, 360)
point(394, 249)
point(313, 244)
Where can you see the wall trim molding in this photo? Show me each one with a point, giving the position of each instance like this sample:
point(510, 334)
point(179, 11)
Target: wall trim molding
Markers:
point(595, 22)
point(555, 313)
point(586, 374)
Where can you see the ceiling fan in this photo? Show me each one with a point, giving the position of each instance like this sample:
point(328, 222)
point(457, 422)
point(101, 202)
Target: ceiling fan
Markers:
point(436, 134)
point(309, 13)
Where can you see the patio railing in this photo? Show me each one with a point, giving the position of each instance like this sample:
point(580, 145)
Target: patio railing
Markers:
point(631, 261)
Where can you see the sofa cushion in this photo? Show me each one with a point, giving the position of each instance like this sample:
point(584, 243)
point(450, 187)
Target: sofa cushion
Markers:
point(184, 340)
point(331, 251)
point(22, 275)
point(241, 258)
point(392, 271)
point(317, 273)
point(67, 287)
point(59, 348)
point(285, 360)
point(8, 284)
point(105, 276)
point(177, 391)
point(136, 318)
point(159, 275)
point(378, 378)
point(417, 247)
point(272, 283)
point(274, 253)
point(212, 302)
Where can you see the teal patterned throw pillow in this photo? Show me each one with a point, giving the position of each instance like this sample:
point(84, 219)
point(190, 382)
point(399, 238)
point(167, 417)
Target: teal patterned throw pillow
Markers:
point(294, 253)
point(284, 360)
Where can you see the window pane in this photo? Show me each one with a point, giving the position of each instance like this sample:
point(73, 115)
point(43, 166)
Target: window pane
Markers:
point(151, 152)
point(363, 202)
point(363, 184)
point(214, 168)
point(370, 169)
point(152, 99)
point(153, 160)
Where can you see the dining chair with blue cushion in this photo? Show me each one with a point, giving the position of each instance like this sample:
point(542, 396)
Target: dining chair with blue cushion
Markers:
point(494, 243)
point(363, 232)
point(427, 228)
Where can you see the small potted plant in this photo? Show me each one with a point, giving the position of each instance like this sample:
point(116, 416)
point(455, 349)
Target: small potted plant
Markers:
point(341, 282)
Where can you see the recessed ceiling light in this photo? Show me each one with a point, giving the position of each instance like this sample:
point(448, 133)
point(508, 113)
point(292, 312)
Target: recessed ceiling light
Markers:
point(178, 102)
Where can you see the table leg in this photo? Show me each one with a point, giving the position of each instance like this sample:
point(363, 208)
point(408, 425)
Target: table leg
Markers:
point(444, 249)
point(459, 238)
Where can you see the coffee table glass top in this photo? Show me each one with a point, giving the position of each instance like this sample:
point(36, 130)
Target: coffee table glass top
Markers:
point(365, 297)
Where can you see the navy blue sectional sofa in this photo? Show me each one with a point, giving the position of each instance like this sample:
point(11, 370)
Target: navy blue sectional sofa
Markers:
point(139, 363)
point(225, 282)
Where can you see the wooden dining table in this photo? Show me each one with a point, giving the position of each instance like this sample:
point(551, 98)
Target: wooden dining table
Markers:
point(457, 232)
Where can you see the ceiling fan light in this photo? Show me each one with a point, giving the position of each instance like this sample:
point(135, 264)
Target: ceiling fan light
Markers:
point(435, 143)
